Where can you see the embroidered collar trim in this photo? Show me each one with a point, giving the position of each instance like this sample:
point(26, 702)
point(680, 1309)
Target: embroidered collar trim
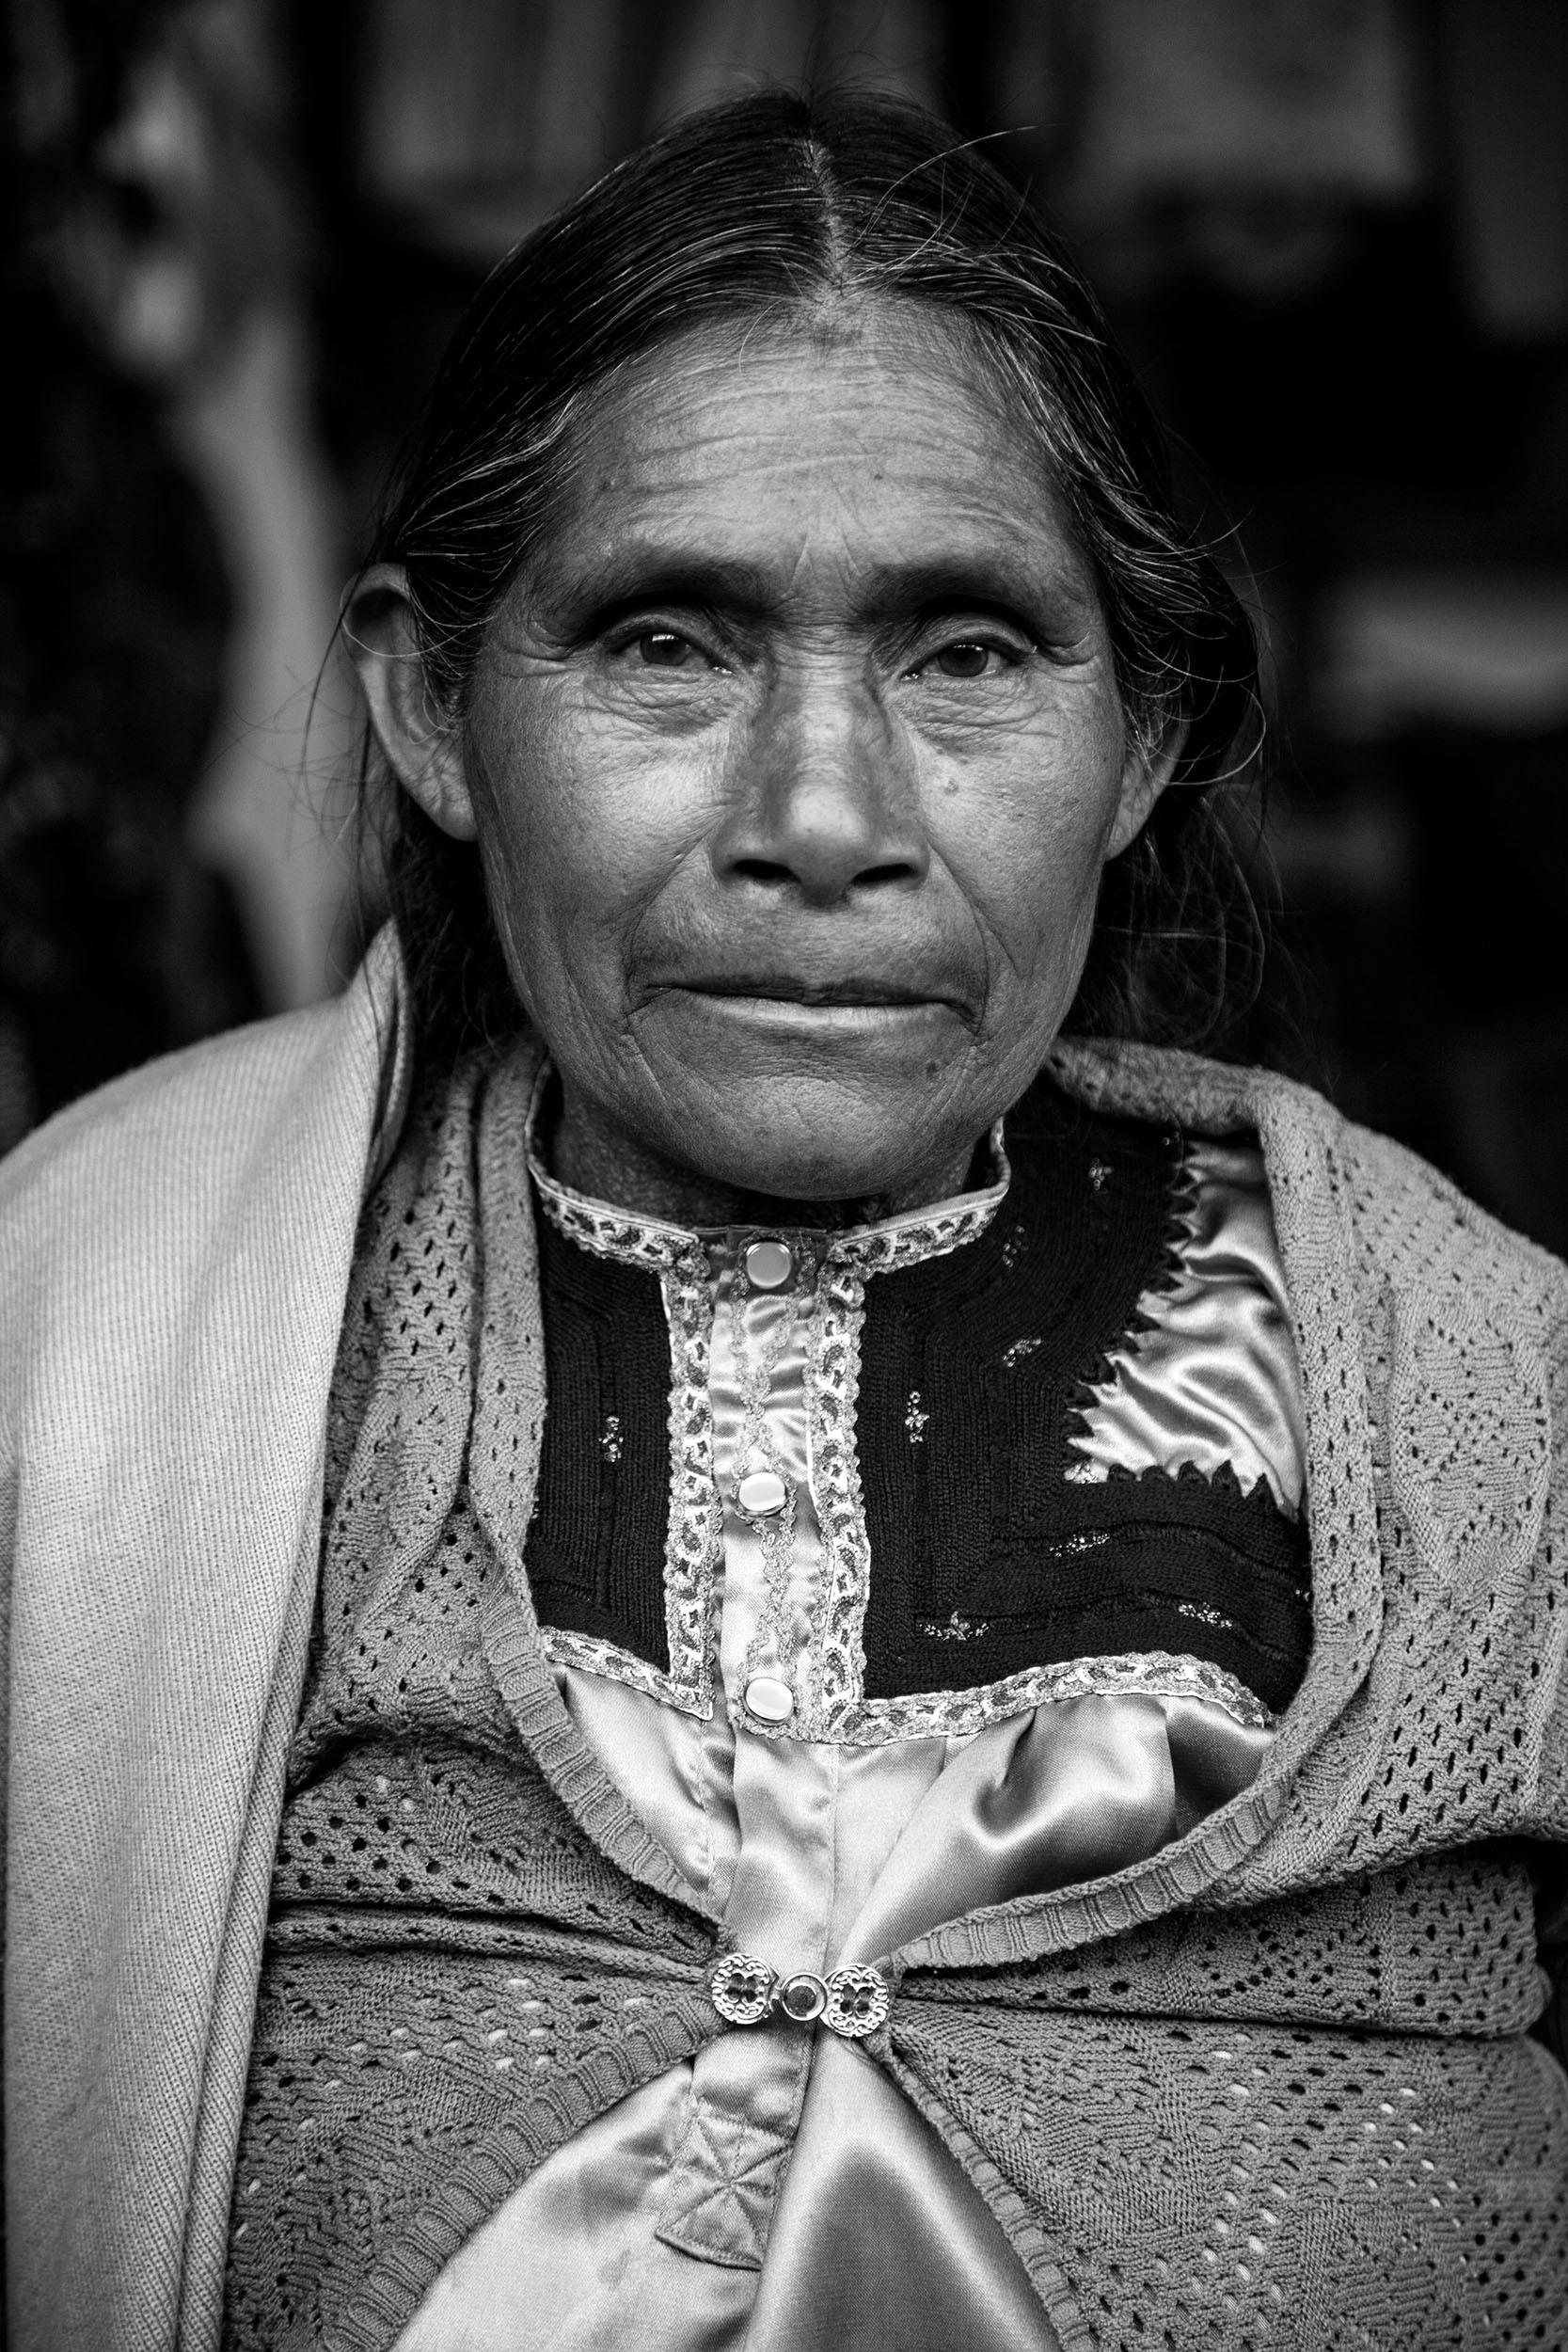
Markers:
point(659, 1246)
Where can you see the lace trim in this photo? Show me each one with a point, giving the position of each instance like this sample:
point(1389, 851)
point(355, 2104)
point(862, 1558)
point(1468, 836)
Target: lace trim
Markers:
point(921, 1233)
point(590, 1655)
point(694, 1544)
point(655, 1243)
point(630, 1240)
point(954, 1714)
point(832, 1390)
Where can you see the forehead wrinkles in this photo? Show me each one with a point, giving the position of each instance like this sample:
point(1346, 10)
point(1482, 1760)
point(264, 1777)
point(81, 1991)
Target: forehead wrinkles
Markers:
point(786, 434)
point(720, 435)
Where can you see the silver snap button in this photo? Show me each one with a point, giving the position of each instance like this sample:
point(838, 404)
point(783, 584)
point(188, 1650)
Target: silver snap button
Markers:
point(769, 1265)
point(770, 1700)
point(762, 1494)
point(803, 1997)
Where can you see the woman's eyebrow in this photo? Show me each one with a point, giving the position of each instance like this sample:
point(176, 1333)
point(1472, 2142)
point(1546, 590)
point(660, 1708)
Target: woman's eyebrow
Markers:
point(624, 578)
point(989, 580)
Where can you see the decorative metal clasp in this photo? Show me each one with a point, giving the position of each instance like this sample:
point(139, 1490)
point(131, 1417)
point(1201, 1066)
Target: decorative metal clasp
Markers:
point(852, 2002)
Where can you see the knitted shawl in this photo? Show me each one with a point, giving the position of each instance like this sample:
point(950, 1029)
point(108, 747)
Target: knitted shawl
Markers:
point(1272, 2085)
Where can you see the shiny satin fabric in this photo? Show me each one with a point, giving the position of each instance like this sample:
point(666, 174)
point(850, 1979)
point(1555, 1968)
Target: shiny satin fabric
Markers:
point(1210, 1380)
point(882, 2243)
point(1065, 1793)
point(571, 2260)
point(878, 2225)
point(779, 2193)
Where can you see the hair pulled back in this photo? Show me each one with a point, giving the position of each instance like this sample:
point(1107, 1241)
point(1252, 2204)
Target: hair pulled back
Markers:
point(776, 204)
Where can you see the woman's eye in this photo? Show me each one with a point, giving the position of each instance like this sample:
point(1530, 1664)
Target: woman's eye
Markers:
point(966, 658)
point(665, 649)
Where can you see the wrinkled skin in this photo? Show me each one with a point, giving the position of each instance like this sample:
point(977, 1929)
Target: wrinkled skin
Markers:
point(794, 759)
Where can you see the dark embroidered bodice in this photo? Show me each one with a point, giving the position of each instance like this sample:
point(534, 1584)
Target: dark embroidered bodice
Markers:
point(990, 1550)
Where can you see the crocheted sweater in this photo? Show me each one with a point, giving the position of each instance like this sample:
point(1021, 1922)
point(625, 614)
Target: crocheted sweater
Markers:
point(1274, 2085)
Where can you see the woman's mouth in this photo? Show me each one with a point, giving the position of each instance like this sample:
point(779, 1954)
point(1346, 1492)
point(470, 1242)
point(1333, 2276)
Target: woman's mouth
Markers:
point(836, 1012)
point(841, 1008)
point(863, 988)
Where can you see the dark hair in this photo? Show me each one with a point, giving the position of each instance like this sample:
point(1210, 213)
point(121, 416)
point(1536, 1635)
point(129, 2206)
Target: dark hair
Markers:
point(772, 204)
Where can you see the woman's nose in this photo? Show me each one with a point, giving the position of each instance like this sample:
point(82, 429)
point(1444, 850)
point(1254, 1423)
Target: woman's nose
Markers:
point(826, 802)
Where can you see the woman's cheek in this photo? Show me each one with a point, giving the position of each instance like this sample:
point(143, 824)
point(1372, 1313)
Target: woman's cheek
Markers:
point(1025, 844)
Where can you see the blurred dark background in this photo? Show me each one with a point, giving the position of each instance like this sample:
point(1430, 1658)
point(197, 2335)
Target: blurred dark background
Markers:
point(1334, 234)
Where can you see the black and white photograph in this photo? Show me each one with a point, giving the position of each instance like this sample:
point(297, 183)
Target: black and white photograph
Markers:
point(784, 1176)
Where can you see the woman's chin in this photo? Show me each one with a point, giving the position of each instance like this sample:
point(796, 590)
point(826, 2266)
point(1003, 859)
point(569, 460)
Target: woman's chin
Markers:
point(824, 1135)
point(811, 1102)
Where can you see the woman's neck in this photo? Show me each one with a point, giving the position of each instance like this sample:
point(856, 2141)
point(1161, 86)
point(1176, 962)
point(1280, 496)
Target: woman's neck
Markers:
point(582, 1150)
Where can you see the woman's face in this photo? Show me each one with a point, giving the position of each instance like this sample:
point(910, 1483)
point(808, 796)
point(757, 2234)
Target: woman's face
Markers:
point(795, 757)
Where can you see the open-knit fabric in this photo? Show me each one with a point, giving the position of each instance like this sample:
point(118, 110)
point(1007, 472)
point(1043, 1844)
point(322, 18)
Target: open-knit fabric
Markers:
point(384, 2115)
point(1243, 2185)
point(1298, 2108)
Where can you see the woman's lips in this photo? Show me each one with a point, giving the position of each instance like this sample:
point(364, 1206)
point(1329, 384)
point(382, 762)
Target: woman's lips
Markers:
point(822, 1009)
point(796, 1012)
point(837, 993)
point(859, 991)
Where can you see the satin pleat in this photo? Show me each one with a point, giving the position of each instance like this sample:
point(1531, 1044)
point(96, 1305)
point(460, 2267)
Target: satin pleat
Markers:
point(882, 2243)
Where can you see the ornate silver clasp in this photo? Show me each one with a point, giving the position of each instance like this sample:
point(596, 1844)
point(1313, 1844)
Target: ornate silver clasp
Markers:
point(852, 2002)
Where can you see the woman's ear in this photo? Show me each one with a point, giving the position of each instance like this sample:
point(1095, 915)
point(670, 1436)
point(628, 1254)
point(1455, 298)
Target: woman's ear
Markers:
point(1144, 776)
point(422, 746)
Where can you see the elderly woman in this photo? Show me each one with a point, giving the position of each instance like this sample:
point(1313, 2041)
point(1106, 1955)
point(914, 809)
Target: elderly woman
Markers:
point(712, 1646)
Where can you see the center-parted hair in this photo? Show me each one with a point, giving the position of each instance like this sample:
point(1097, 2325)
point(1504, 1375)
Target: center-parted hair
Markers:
point(775, 205)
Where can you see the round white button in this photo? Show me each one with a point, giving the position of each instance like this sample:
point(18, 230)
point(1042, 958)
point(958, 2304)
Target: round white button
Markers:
point(762, 1494)
point(770, 1699)
point(769, 1265)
